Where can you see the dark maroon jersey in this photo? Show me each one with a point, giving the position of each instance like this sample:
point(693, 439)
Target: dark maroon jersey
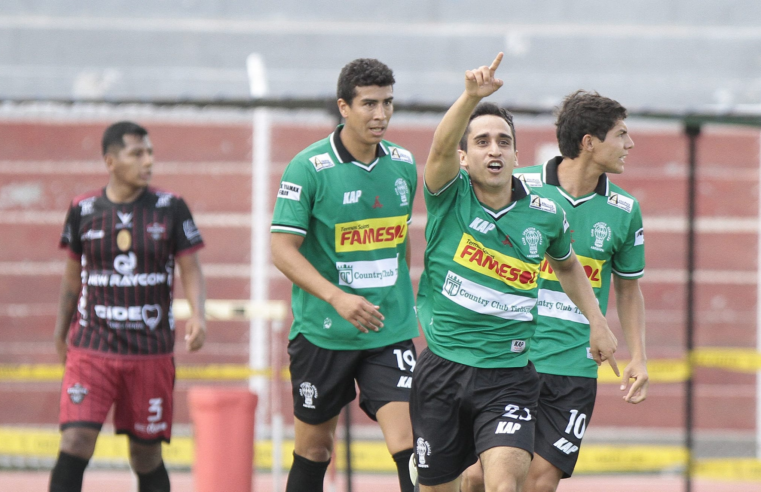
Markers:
point(127, 252)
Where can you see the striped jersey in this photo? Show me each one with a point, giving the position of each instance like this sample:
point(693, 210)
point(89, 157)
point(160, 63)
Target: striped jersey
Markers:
point(127, 252)
point(607, 233)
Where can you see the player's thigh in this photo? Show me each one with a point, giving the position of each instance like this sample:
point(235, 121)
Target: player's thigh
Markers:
point(89, 389)
point(542, 476)
point(144, 407)
point(505, 468)
point(394, 421)
point(322, 380)
point(506, 405)
point(564, 412)
point(442, 424)
point(385, 375)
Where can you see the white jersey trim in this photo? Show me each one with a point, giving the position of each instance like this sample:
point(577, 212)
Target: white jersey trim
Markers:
point(288, 229)
point(570, 250)
point(629, 275)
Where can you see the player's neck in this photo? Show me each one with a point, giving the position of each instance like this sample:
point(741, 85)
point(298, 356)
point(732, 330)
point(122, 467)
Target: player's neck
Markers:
point(121, 193)
point(361, 151)
point(494, 199)
point(578, 176)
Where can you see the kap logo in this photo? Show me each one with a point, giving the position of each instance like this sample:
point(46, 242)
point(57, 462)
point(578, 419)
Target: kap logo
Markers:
point(352, 196)
point(482, 225)
point(507, 427)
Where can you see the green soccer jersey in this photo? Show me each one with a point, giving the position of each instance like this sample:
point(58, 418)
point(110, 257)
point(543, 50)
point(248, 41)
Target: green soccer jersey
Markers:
point(606, 227)
point(354, 218)
point(478, 293)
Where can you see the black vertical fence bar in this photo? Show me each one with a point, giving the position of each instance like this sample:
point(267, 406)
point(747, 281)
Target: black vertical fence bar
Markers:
point(349, 470)
point(693, 132)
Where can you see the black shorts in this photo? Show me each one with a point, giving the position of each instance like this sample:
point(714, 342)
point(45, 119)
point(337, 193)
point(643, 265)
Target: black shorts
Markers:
point(322, 380)
point(459, 411)
point(565, 410)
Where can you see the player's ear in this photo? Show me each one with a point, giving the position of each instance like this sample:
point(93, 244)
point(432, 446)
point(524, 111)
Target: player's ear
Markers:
point(463, 160)
point(109, 159)
point(587, 143)
point(343, 108)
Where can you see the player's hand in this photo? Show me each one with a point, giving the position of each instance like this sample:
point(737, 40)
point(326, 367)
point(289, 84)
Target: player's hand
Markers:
point(358, 311)
point(481, 81)
point(636, 370)
point(61, 348)
point(195, 333)
point(603, 344)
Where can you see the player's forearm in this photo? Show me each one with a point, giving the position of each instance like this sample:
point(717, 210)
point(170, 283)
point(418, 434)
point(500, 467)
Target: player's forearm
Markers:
point(443, 162)
point(630, 304)
point(193, 284)
point(67, 300)
point(298, 270)
point(576, 286)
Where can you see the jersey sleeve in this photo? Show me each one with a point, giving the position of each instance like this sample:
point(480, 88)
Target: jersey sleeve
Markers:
point(560, 243)
point(295, 199)
point(629, 260)
point(439, 203)
point(70, 236)
point(186, 236)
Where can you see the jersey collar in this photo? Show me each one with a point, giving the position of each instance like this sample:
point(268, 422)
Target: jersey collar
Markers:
point(344, 156)
point(520, 191)
point(550, 176)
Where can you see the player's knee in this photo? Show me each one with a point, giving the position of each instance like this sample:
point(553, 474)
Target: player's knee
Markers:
point(472, 479)
point(144, 458)
point(79, 442)
point(540, 484)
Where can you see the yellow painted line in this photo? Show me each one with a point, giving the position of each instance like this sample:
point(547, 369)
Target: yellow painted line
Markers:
point(731, 359)
point(605, 459)
point(372, 456)
point(660, 370)
point(729, 469)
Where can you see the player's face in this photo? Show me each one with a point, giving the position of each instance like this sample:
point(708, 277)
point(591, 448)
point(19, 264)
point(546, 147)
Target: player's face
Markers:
point(611, 153)
point(491, 157)
point(368, 115)
point(132, 165)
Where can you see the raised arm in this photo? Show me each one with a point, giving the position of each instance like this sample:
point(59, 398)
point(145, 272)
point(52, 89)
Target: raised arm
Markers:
point(631, 312)
point(443, 160)
point(576, 285)
point(288, 259)
point(195, 291)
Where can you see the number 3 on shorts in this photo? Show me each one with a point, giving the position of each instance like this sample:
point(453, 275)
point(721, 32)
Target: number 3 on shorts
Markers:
point(154, 407)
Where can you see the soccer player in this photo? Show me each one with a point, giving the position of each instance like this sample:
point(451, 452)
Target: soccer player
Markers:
point(116, 308)
point(340, 234)
point(475, 391)
point(606, 225)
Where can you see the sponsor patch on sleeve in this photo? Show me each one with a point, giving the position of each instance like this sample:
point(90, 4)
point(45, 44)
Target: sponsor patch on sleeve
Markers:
point(289, 191)
point(398, 154)
point(639, 237)
point(543, 204)
point(566, 225)
point(534, 180)
point(322, 161)
point(623, 202)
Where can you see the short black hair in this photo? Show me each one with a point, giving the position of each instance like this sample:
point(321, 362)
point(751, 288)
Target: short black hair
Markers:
point(362, 72)
point(487, 108)
point(113, 137)
point(585, 113)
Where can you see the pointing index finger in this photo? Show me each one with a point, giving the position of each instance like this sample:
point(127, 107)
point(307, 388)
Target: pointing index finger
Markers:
point(496, 62)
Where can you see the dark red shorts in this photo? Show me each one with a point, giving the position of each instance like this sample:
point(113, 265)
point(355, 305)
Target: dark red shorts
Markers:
point(141, 388)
